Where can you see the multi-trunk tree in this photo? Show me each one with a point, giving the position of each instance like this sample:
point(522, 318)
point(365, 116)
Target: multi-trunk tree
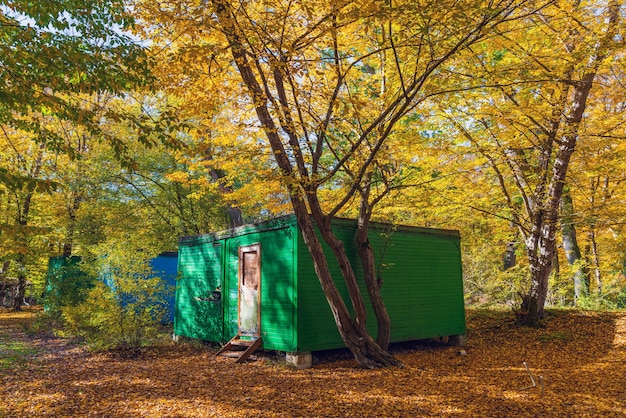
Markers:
point(526, 127)
point(328, 84)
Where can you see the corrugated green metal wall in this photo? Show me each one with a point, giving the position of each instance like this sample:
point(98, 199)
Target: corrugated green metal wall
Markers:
point(423, 287)
point(424, 293)
point(199, 289)
point(316, 325)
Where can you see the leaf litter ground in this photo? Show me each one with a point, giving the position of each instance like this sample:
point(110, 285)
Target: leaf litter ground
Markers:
point(581, 357)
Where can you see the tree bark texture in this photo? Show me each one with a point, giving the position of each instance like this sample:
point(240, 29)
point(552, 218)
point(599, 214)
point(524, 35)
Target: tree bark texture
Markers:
point(594, 258)
point(72, 209)
point(235, 215)
point(580, 274)
point(3, 282)
point(372, 282)
point(510, 255)
point(543, 236)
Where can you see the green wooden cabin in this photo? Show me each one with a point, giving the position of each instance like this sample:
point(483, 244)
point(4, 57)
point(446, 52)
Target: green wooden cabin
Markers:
point(269, 266)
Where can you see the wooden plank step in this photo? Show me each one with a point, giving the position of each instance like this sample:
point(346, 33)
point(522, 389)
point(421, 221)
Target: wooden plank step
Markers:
point(253, 347)
point(237, 343)
point(239, 348)
point(242, 343)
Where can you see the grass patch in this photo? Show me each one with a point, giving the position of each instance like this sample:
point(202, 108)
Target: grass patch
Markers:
point(555, 336)
point(14, 353)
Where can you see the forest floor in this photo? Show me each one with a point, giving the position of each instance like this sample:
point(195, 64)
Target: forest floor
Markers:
point(578, 361)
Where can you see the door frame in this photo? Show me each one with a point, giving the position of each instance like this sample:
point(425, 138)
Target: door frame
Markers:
point(245, 249)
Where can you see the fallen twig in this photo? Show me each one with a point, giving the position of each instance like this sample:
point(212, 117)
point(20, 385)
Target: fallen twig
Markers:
point(532, 379)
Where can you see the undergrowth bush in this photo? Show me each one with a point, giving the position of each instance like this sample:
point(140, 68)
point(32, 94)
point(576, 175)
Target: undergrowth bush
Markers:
point(125, 309)
point(117, 319)
point(489, 285)
point(613, 300)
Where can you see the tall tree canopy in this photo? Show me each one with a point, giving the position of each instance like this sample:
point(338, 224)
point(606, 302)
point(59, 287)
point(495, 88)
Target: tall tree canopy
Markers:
point(528, 126)
point(329, 83)
point(55, 55)
point(54, 58)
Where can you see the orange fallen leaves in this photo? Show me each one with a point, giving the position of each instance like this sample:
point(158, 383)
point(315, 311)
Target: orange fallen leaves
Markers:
point(581, 357)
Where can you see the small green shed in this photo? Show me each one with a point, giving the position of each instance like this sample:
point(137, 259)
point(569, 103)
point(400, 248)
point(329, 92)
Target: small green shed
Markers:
point(66, 283)
point(259, 279)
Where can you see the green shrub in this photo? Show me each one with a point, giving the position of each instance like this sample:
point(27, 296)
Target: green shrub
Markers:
point(122, 311)
point(48, 321)
point(66, 285)
point(487, 284)
point(612, 300)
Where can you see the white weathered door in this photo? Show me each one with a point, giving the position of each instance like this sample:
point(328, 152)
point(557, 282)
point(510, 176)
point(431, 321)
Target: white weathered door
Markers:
point(250, 290)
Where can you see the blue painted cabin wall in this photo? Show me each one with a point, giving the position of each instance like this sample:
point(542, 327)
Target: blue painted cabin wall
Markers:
point(165, 266)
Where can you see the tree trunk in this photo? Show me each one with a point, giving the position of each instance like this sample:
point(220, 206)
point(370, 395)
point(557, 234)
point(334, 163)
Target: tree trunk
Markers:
point(234, 213)
point(372, 282)
point(3, 282)
point(353, 332)
point(20, 292)
point(541, 242)
point(592, 253)
point(572, 249)
point(510, 254)
point(591, 248)
point(72, 208)
point(20, 295)
point(22, 220)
